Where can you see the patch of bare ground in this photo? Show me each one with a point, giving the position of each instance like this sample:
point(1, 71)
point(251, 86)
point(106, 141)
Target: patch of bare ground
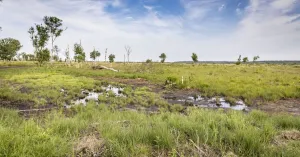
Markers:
point(11, 67)
point(291, 106)
point(26, 108)
point(90, 144)
point(189, 149)
point(139, 82)
point(286, 136)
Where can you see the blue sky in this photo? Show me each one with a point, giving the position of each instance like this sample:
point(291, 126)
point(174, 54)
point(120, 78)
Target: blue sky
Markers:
point(214, 29)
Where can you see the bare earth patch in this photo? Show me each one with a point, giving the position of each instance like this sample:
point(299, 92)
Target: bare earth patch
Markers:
point(286, 136)
point(90, 145)
point(291, 106)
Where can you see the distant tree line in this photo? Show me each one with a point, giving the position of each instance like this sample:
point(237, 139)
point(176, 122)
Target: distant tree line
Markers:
point(51, 29)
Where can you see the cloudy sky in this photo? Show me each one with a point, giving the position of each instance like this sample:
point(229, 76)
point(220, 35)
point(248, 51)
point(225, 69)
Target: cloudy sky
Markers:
point(214, 29)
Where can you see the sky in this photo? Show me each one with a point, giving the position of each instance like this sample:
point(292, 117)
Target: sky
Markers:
point(216, 30)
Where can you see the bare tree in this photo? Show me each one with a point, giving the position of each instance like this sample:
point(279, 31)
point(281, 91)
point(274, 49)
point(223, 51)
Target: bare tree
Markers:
point(105, 54)
point(128, 50)
point(124, 58)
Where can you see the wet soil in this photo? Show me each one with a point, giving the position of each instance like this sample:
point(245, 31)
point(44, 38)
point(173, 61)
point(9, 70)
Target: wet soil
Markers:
point(139, 82)
point(15, 67)
point(26, 108)
point(290, 106)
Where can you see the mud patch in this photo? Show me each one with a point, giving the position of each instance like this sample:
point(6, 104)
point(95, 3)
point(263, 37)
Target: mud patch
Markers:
point(291, 106)
point(16, 104)
point(25, 90)
point(203, 102)
point(26, 108)
point(139, 82)
point(87, 96)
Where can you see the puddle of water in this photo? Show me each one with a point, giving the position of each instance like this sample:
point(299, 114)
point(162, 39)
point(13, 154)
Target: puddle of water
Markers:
point(209, 103)
point(116, 90)
point(93, 96)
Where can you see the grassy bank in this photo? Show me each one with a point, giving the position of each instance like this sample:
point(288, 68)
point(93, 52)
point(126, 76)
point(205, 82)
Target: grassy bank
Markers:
point(97, 129)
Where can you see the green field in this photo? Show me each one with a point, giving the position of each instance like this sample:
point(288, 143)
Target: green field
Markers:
point(130, 126)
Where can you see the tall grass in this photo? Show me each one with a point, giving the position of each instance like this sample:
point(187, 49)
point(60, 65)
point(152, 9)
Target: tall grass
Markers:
point(131, 133)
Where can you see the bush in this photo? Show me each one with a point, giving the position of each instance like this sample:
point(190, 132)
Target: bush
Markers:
point(171, 81)
point(149, 61)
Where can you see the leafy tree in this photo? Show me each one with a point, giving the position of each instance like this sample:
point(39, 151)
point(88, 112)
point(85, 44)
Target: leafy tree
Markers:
point(56, 58)
point(149, 61)
point(54, 25)
point(39, 37)
point(30, 57)
point(79, 53)
point(255, 58)
point(163, 57)
point(239, 60)
point(245, 59)
point(27, 57)
point(56, 50)
point(43, 55)
point(9, 48)
point(111, 58)
point(94, 54)
point(194, 57)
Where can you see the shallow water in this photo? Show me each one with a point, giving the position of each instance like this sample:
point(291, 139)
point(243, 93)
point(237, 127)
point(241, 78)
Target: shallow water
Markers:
point(93, 96)
point(208, 103)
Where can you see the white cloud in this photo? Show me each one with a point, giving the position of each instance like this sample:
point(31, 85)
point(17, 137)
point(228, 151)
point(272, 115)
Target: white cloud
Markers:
point(265, 29)
point(283, 4)
point(117, 3)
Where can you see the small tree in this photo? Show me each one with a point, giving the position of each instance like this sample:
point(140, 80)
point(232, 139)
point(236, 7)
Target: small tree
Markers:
point(239, 60)
point(9, 48)
point(55, 57)
point(94, 54)
point(163, 57)
point(128, 50)
point(245, 60)
point(43, 55)
point(111, 58)
point(79, 53)
point(255, 58)
point(194, 57)
point(39, 37)
point(149, 61)
point(54, 25)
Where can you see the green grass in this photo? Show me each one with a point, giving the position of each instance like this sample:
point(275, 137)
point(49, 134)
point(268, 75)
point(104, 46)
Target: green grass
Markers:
point(249, 82)
point(130, 133)
point(170, 132)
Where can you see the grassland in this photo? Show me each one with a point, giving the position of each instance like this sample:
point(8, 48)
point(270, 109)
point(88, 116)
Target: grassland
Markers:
point(249, 82)
point(108, 130)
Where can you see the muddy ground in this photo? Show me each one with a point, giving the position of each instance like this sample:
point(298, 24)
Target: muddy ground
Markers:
point(290, 106)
